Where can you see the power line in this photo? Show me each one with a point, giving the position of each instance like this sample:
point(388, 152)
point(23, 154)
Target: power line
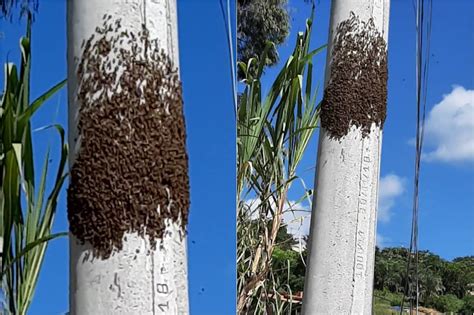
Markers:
point(423, 11)
point(226, 15)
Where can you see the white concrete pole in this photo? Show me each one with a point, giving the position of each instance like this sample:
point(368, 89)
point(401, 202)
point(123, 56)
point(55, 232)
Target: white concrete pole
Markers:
point(135, 279)
point(339, 276)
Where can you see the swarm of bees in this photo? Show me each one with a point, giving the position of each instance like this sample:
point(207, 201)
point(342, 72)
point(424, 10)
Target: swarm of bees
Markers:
point(356, 93)
point(131, 170)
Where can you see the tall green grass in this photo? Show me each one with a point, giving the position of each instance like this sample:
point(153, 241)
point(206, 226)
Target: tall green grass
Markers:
point(26, 209)
point(273, 132)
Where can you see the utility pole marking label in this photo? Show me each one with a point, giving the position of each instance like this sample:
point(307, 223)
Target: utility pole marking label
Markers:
point(362, 207)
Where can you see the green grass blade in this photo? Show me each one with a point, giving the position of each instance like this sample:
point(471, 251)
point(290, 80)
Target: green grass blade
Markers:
point(35, 212)
point(33, 245)
point(24, 118)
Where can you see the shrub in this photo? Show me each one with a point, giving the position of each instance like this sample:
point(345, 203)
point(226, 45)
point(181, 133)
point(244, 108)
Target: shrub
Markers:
point(448, 303)
point(468, 307)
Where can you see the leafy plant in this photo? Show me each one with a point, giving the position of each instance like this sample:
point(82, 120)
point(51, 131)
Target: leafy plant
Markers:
point(448, 303)
point(26, 214)
point(439, 280)
point(272, 135)
point(261, 21)
point(459, 275)
point(468, 307)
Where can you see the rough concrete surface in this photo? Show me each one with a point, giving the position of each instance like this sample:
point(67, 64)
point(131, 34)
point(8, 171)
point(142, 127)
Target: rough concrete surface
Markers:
point(339, 275)
point(136, 279)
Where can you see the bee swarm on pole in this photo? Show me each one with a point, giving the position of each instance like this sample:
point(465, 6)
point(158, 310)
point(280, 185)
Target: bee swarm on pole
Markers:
point(131, 170)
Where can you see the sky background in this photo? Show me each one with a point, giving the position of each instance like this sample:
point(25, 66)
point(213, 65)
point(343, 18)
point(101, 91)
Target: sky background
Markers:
point(205, 72)
point(447, 178)
point(446, 220)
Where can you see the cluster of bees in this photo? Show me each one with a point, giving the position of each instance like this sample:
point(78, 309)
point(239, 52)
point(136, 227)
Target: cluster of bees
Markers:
point(356, 93)
point(131, 169)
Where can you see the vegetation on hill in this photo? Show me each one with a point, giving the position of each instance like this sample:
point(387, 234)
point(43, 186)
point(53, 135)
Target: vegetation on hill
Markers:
point(443, 285)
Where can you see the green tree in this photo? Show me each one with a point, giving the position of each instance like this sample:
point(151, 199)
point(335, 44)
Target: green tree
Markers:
point(261, 21)
point(430, 275)
point(285, 240)
point(458, 275)
point(288, 265)
point(468, 307)
point(390, 266)
point(430, 284)
point(448, 303)
point(435, 276)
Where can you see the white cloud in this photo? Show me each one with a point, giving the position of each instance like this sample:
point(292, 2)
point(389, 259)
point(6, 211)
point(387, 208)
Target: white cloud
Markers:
point(449, 128)
point(296, 216)
point(253, 207)
point(390, 187)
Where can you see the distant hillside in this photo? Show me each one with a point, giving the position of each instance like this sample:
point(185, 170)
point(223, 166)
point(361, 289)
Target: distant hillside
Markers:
point(447, 286)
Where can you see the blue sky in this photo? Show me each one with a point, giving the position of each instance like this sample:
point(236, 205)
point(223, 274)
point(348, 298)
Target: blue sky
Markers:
point(210, 123)
point(446, 222)
point(447, 179)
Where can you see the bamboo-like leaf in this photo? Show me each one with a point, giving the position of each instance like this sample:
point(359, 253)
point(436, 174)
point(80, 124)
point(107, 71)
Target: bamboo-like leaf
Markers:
point(35, 212)
point(34, 244)
point(272, 135)
point(11, 201)
point(28, 162)
point(24, 241)
point(24, 96)
point(39, 102)
point(11, 80)
point(313, 53)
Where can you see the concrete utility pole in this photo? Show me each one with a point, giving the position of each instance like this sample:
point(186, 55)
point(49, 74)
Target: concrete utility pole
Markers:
point(128, 198)
point(339, 277)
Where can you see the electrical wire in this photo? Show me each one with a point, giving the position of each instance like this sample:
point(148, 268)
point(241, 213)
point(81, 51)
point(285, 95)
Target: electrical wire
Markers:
point(423, 40)
point(228, 29)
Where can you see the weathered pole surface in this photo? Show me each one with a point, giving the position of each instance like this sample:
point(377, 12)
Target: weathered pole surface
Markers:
point(128, 197)
point(339, 276)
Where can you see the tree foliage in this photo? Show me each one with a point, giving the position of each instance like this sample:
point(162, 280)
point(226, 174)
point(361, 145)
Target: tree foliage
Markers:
point(468, 307)
point(444, 285)
point(448, 303)
point(260, 22)
point(437, 276)
point(459, 275)
point(288, 265)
